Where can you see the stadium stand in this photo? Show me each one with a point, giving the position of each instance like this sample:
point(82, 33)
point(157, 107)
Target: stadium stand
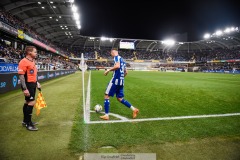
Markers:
point(61, 45)
point(12, 55)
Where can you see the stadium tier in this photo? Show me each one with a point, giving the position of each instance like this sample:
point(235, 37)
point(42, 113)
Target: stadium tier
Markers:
point(210, 54)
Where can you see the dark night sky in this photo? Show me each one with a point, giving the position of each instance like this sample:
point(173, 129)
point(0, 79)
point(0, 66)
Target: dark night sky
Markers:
point(156, 19)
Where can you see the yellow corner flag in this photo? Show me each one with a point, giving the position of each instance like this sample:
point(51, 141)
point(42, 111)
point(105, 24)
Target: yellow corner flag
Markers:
point(40, 103)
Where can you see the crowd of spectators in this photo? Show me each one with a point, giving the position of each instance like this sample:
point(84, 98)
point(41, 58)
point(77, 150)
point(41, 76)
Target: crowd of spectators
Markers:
point(14, 55)
point(55, 61)
point(197, 56)
point(9, 53)
point(220, 66)
point(15, 22)
point(103, 63)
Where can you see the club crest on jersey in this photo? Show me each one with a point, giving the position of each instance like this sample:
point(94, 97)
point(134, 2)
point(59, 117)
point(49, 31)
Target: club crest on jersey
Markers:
point(31, 71)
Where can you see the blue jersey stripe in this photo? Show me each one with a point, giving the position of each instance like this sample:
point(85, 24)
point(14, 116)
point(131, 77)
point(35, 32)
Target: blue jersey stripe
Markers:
point(118, 75)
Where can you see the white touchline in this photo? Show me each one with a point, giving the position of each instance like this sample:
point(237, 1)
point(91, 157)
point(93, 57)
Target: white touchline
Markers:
point(87, 111)
point(166, 118)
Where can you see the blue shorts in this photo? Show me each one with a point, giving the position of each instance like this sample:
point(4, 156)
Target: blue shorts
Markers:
point(114, 89)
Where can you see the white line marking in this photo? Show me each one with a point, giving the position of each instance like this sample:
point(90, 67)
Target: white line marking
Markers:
point(87, 112)
point(166, 118)
point(86, 142)
point(115, 115)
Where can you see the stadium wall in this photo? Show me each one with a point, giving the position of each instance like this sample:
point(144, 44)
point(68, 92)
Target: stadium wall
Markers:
point(10, 81)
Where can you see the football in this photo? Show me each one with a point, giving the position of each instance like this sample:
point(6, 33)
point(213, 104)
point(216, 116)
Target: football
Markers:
point(98, 108)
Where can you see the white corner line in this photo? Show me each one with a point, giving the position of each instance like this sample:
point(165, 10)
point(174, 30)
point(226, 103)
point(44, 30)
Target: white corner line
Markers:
point(167, 118)
point(114, 115)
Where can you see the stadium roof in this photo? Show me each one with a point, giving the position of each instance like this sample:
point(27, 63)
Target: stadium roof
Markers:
point(224, 41)
point(54, 19)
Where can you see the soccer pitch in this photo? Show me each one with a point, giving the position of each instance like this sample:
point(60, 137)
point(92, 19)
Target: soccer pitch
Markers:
point(173, 95)
point(63, 133)
point(160, 95)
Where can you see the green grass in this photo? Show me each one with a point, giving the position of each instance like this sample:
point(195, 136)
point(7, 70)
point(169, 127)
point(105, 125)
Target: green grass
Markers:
point(64, 135)
point(55, 122)
point(162, 95)
point(174, 94)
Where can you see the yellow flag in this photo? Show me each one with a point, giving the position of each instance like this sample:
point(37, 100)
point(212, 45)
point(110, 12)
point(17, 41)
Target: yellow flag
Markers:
point(40, 103)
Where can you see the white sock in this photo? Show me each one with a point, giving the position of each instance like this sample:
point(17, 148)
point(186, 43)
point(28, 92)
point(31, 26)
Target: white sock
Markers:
point(132, 108)
point(106, 114)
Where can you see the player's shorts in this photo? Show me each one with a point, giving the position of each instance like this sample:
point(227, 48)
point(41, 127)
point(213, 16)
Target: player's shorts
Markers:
point(113, 89)
point(31, 86)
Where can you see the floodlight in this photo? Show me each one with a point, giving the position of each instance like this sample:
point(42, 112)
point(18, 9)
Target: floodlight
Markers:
point(219, 33)
point(76, 16)
point(206, 36)
point(74, 8)
point(169, 42)
point(103, 38)
point(227, 30)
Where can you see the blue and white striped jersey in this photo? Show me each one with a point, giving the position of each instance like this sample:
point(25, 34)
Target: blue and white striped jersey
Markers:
point(118, 75)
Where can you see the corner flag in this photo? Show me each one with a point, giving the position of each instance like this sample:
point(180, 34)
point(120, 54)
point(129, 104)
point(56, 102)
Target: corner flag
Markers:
point(83, 66)
point(40, 103)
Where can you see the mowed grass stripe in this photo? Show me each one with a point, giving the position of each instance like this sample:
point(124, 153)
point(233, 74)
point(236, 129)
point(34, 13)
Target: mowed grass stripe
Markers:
point(63, 96)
